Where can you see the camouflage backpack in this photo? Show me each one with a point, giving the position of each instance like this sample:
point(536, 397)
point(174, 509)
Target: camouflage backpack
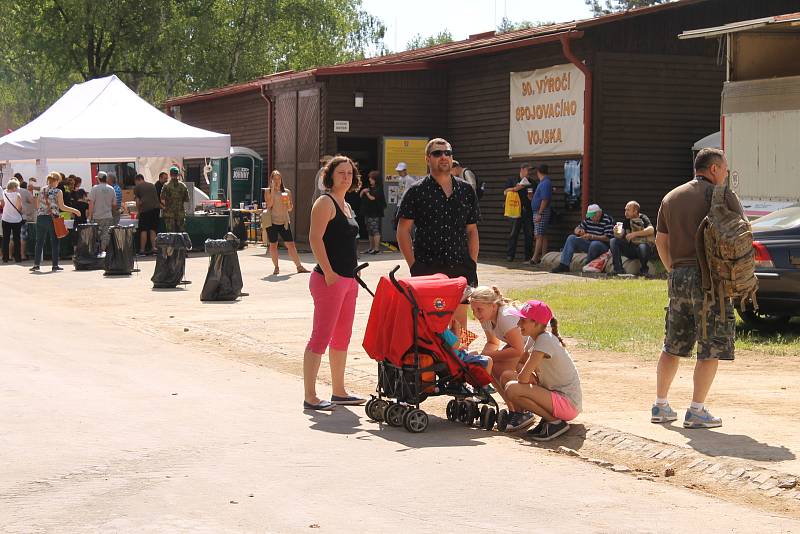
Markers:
point(724, 243)
point(637, 225)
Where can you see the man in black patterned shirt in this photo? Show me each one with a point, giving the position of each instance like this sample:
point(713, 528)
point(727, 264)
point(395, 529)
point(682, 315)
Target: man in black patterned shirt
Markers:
point(445, 212)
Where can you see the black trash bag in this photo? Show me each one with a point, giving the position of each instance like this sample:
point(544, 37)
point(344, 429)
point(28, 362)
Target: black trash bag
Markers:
point(86, 256)
point(224, 278)
point(171, 259)
point(119, 256)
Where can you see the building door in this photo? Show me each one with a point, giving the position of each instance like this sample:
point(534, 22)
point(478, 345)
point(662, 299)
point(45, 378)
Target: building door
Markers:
point(364, 151)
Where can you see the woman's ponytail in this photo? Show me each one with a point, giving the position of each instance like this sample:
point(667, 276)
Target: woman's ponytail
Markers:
point(554, 330)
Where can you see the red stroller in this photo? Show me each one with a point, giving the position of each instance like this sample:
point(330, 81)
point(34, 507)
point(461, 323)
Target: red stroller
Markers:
point(404, 335)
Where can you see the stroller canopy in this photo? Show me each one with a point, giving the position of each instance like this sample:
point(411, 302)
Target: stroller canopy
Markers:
point(390, 328)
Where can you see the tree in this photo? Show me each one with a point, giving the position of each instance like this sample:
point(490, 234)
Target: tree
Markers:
point(418, 41)
point(509, 26)
point(604, 7)
point(165, 47)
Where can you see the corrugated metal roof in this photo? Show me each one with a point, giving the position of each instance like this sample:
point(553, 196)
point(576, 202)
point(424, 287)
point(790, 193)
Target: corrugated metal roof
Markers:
point(741, 26)
point(425, 58)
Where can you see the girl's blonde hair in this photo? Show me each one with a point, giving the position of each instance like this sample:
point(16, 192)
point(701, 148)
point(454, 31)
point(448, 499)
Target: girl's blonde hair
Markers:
point(491, 295)
point(12, 184)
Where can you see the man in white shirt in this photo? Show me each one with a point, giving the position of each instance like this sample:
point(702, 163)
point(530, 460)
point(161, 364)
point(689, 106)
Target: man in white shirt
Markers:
point(405, 179)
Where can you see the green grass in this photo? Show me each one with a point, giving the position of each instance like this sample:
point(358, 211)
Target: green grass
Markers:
point(628, 316)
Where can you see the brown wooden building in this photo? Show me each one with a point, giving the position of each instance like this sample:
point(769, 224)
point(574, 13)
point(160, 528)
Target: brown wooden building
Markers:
point(650, 97)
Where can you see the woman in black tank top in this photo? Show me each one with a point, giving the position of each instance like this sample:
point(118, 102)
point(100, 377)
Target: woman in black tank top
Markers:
point(333, 239)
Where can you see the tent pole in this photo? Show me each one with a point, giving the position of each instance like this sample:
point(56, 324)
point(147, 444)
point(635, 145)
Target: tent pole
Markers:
point(230, 196)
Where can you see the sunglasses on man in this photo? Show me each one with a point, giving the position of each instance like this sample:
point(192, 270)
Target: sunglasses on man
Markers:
point(440, 153)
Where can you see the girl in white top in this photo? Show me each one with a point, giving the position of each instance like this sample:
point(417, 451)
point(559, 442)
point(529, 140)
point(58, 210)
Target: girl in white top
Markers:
point(505, 343)
point(548, 384)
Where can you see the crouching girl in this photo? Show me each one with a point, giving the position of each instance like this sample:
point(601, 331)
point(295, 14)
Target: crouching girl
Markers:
point(505, 346)
point(548, 384)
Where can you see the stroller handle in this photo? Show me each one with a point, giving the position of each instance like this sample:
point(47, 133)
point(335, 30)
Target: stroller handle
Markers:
point(359, 280)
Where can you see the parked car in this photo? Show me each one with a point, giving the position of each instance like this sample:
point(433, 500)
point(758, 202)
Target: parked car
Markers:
point(776, 239)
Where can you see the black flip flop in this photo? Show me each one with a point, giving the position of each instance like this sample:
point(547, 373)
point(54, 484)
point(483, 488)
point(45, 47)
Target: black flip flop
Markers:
point(322, 406)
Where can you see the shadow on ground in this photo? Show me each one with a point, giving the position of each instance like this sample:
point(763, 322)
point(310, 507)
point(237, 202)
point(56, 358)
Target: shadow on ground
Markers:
point(714, 443)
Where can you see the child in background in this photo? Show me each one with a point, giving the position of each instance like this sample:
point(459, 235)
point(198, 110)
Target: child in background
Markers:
point(548, 384)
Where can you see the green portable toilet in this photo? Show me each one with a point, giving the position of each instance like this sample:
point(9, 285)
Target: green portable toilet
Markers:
point(247, 167)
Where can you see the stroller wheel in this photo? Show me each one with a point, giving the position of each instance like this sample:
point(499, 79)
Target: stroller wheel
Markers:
point(368, 408)
point(491, 418)
point(472, 412)
point(452, 410)
point(379, 410)
point(415, 421)
point(482, 418)
point(463, 412)
point(394, 414)
point(502, 420)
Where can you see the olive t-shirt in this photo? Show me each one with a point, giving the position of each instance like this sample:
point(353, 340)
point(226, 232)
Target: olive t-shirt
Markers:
point(680, 215)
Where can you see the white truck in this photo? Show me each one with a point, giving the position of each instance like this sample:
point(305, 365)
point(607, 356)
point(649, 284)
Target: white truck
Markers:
point(760, 110)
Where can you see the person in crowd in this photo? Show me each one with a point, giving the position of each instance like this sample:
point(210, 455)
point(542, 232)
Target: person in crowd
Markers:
point(82, 205)
point(504, 344)
point(162, 179)
point(117, 209)
point(28, 214)
point(334, 241)
point(373, 204)
point(548, 384)
point(148, 207)
point(519, 185)
point(353, 199)
point(405, 179)
point(592, 235)
point(635, 240)
point(11, 204)
point(174, 196)
point(320, 189)
point(77, 184)
point(278, 199)
point(541, 210)
point(49, 204)
point(459, 171)
point(102, 199)
point(681, 212)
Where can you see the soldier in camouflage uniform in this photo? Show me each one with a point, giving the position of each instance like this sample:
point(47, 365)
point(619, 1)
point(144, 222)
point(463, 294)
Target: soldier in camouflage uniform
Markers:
point(173, 197)
point(680, 215)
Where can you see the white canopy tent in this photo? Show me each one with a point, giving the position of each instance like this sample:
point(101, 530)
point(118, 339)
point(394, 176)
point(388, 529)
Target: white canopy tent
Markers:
point(103, 119)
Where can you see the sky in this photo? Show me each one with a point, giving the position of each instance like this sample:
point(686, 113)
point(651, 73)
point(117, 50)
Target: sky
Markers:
point(406, 18)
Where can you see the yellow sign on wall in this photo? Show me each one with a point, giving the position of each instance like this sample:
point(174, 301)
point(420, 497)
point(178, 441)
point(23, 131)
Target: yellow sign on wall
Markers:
point(409, 150)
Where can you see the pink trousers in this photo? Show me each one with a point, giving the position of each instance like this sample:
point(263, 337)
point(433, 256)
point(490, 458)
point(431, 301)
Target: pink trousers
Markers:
point(334, 310)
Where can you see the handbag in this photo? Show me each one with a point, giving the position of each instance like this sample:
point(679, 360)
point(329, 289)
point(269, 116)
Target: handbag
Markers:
point(513, 207)
point(59, 227)
point(597, 265)
point(58, 223)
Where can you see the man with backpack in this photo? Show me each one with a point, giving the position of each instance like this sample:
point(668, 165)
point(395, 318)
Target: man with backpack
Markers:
point(691, 316)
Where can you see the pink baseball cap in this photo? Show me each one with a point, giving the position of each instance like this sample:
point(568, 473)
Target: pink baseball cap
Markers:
point(535, 310)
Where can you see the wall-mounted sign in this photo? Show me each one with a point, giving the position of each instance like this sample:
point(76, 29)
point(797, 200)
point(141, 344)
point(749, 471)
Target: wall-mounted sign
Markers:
point(409, 150)
point(341, 126)
point(241, 173)
point(547, 112)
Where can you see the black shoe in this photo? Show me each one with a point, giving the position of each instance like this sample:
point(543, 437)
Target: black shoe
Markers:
point(537, 429)
point(561, 268)
point(551, 431)
point(57, 268)
point(34, 268)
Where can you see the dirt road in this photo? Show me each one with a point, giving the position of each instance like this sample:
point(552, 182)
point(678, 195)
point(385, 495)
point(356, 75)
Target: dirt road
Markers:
point(129, 410)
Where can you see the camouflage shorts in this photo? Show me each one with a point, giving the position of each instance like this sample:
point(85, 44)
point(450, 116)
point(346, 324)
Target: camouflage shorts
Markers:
point(685, 318)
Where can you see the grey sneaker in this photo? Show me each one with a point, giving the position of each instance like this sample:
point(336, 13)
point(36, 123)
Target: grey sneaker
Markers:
point(519, 421)
point(662, 414)
point(700, 419)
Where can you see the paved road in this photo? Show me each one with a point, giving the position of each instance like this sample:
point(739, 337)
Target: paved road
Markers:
point(108, 429)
